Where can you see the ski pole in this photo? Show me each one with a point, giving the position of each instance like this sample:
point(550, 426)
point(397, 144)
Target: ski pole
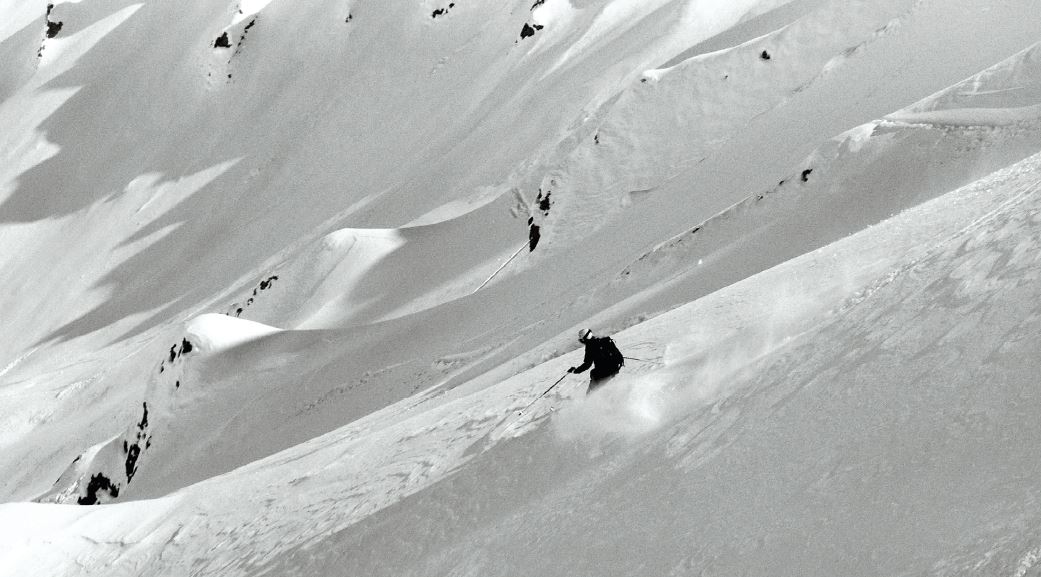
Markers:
point(636, 359)
point(544, 393)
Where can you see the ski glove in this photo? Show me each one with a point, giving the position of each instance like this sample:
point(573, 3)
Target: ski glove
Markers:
point(571, 370)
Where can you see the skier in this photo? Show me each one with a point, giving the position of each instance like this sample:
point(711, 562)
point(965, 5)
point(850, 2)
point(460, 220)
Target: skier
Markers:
point(602, 355)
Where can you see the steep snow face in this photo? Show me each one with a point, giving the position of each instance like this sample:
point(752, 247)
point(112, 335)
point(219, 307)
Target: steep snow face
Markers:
point(832, 416)
point(1006, 94)
point(857, 179)
point(183, 406)
point(835, 66)
point(183, 146)
point(287, 281)
point(358, 276)
point(280, 126)
point(319, 278)
point(700, 103)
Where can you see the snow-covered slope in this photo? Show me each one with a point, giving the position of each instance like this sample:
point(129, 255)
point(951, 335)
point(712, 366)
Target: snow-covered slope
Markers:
point(279, 276)
point(882, 406)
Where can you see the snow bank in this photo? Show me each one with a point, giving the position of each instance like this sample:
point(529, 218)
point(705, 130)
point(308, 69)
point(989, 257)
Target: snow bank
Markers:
point(313, 287)
point(181, 403)
point(214, 333)
point(352, 277)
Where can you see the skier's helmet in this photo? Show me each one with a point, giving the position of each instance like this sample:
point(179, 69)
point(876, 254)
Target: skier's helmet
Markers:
point(584, 334)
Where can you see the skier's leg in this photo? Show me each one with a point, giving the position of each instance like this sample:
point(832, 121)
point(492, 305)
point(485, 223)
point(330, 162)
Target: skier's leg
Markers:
point(596, 383)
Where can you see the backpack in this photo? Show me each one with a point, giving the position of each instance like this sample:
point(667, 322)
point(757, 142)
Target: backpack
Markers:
point(612, 354)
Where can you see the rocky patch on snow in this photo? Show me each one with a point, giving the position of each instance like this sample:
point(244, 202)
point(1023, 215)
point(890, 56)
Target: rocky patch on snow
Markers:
point(529, 30)
point(237, 309)
point(53, 26)
point(232, 38)
point(175, 353)
point(101, 473)
point(98, 484)
point(52, 30)
point(542, 206)
point(222, 41)
point(104, 473)
point(245, 32)
point(537, 212)
point(142, 440)
point(442, 11)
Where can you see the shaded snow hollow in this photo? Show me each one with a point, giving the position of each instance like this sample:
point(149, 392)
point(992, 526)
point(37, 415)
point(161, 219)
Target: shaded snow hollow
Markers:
point(279, 300)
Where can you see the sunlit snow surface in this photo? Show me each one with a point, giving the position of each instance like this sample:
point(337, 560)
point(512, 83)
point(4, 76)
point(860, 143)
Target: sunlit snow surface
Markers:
point(869, 421)
point(274, 297)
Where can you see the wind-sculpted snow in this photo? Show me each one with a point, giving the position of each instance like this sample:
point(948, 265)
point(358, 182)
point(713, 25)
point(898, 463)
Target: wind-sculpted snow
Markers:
point(340, 279)
point(855, 181)
point(175, 389)
point(237, 391)
point(708, 97)
point(730, 108)
point(292, 288)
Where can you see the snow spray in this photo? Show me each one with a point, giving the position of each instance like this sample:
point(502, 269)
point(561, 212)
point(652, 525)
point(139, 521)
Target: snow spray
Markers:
point(702, 365)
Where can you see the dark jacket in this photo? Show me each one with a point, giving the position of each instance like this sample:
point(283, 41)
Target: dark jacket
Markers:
point(603, 356)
